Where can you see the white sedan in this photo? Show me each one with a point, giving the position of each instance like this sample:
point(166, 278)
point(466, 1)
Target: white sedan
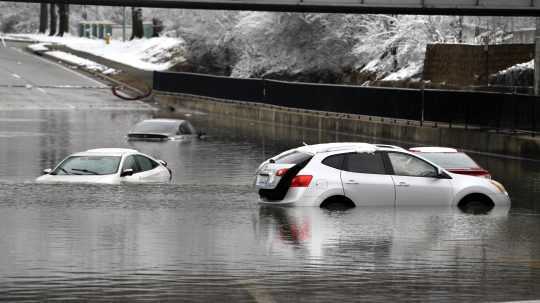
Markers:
point(108, 166)
point(360, 174)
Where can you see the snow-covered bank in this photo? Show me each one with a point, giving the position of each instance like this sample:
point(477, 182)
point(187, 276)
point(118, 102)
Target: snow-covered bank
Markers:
point(81, 62)
point(146, 54)
point(517, 75)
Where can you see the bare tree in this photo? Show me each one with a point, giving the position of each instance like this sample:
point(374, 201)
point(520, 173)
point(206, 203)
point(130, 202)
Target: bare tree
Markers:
point(64, 19)
point(52, 23)
point(43, 16)
point(137, 30)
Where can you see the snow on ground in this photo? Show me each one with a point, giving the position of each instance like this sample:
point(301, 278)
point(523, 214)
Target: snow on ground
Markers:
point(38, 47)
point(517, 75)
point(409, 72)
point(85, 63)
point(159, 53)
point(518, 67)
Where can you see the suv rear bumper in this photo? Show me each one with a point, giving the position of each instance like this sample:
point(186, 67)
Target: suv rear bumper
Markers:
point(296, 196)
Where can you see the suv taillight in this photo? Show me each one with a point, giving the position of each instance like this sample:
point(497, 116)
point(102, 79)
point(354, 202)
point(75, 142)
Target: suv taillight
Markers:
point(281, 172)
point(301, 181)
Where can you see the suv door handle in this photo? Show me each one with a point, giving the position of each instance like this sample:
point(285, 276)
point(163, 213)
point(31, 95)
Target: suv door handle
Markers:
point(403, 184)
point(352, 182)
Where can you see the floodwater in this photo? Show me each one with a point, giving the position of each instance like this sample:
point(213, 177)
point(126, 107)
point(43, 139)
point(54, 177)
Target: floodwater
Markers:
point(205, 239)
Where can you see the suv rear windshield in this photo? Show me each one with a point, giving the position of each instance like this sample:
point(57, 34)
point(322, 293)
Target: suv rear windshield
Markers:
point(294, 157)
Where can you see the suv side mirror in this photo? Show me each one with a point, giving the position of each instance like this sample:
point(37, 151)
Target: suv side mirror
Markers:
point(127, 172)
point(442, 175)
point(47, 171)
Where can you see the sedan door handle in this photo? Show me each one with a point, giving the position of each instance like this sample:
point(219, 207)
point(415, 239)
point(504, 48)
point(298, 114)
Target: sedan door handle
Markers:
point(403, 184)
point(352, 182)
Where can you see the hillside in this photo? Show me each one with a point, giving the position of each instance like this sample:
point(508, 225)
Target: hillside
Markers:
point(330, 48)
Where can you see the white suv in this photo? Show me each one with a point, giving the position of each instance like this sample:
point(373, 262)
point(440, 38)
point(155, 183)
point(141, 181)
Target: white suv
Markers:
point(361, 174)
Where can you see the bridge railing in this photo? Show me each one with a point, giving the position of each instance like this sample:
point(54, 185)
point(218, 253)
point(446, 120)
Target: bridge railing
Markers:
point(465, 109)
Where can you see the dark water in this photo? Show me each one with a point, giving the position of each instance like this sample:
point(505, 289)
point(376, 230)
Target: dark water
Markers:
point(205, 239)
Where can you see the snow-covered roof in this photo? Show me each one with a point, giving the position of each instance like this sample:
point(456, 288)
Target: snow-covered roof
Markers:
point(178, 121)
point(108, 151)
point(331, 147)
point(433, 149)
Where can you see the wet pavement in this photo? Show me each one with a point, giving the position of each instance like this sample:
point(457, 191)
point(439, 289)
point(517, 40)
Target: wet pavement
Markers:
point(205, 239)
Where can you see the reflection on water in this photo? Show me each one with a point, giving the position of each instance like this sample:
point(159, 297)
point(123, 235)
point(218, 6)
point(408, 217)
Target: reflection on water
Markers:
point(198, 243)
point(204, 238)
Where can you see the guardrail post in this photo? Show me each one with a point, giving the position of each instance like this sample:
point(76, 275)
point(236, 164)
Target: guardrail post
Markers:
point(467, 110)
point(534, 117)
point(515, 112)
point(499, 114)
point(264, 90)
point(423, 107)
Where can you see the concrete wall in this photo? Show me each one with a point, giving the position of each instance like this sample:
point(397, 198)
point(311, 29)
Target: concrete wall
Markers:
point(374, 128)
point(464, 65)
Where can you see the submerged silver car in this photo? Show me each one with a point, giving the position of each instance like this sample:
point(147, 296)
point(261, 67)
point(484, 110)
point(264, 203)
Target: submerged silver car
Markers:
point(163, 130)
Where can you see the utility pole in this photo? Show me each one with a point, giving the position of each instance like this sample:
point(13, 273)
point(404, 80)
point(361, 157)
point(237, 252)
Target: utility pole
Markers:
point(537, 59)
point(124, 23)
point(52, 20)
point(43, 17)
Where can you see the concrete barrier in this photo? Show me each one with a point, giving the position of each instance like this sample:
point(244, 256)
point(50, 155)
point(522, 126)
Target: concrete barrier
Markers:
point(373, 128)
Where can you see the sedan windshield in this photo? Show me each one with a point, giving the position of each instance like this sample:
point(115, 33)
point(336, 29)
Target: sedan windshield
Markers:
point(156, 127)
point(88, 165)
point(450, 160)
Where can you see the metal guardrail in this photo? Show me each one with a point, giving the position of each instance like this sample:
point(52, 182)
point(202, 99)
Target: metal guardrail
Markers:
point(465, 109)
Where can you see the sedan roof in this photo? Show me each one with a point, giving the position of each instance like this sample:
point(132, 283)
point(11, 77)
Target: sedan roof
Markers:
point(434, 149)
point(107, 152)
point(157, 126)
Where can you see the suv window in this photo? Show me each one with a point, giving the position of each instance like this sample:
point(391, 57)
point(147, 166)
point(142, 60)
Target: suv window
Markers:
point(407, 165)
point(294, 157)
point(365, 163)
point(145, 163)
point(335, 161)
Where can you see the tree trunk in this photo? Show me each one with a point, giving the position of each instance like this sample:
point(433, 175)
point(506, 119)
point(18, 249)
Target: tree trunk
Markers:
point(136, 23)
point(64, 19)
point(43, 16)
point(52, 24)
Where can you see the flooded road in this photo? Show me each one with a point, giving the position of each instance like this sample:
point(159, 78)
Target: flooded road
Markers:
point(204, 238)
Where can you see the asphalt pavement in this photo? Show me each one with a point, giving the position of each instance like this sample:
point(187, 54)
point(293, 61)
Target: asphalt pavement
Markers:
point(29, 82)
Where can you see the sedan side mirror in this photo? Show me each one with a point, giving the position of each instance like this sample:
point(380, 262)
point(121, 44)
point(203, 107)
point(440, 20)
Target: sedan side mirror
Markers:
point(201, 134)
point(47, 171)
point(162, 162)
point(127, 172)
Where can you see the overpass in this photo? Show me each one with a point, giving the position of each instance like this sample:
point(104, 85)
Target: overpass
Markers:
point(416, 7)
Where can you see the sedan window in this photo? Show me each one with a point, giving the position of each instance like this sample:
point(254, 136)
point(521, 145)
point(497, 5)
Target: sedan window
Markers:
point(145, 163)
point(130, 163)
point(450, 160)
point(365, 163)
point(88, 165)
point(407, 165)
point(185, 129)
